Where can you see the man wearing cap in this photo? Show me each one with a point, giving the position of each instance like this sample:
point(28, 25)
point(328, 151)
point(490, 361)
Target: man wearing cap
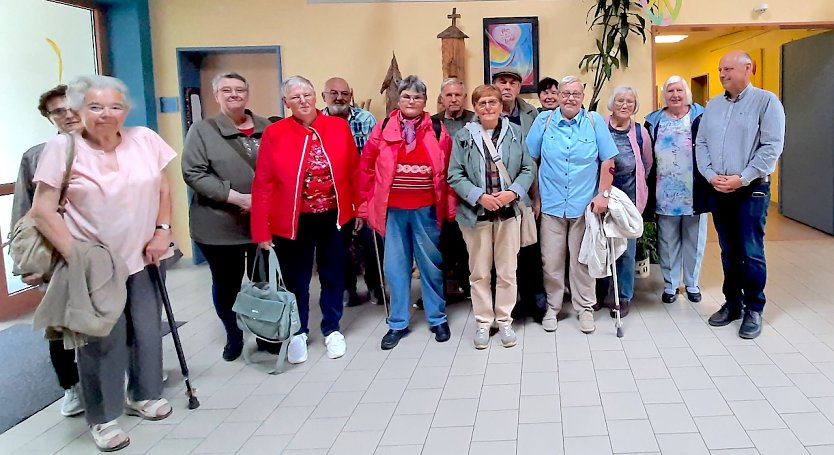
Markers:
point(518, 111)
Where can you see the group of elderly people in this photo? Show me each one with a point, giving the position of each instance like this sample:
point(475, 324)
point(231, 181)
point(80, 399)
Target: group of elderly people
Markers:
point(309, 184)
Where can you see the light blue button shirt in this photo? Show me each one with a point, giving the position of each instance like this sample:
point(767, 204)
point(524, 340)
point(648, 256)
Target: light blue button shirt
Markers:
point(570, 152)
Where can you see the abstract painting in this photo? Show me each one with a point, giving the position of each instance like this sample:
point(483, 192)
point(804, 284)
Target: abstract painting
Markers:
point(512, 42)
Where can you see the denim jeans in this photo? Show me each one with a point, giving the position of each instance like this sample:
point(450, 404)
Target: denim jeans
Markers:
point(739, 219)
point(626, 264)
point(413, 235)
point(319, 238)
point(681, 243)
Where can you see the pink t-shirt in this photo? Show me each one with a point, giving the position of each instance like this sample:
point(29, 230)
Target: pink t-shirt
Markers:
point(113, 198)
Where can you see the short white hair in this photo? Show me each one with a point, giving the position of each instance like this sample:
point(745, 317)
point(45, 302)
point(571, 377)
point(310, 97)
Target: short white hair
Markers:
point(296, 81)
point(215, 82)
point(570, 80)
point(453, 81)
point(674, 80)
point(77, 89)
point(620, 90)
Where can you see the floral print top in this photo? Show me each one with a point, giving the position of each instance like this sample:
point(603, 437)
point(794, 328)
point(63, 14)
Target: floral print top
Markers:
point(673, 155)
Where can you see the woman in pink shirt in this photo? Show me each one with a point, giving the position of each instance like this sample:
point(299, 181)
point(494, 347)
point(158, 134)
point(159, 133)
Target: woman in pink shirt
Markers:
point(118, 196)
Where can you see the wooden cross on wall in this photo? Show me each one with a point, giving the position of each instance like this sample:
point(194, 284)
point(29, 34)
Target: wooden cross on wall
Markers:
point(454, 17)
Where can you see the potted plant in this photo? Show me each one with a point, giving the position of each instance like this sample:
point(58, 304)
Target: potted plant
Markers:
point(646, 250)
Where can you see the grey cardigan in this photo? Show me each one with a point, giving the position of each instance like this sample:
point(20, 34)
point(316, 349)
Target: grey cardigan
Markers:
point(467, 168)
point(211, 167)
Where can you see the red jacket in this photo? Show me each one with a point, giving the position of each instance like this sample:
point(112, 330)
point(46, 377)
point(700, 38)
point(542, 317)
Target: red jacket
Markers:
point(279, 175)
point(379, 162)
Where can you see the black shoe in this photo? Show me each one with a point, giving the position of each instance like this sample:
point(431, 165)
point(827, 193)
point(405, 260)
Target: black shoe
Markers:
point(751, 325)
point(669, 298)
point(598, 306)
point(266, 346)
point(693, 297)
point(232, 350)
point(624, 307)
point(392, 338)
point(353, 300)
point(727, 314)
point(442, 332)
point(418, 304)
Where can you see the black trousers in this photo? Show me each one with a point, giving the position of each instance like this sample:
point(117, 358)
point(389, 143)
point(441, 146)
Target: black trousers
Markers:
point(360, 253)
point(455, 256)
point(63, 362)
point(226, 263)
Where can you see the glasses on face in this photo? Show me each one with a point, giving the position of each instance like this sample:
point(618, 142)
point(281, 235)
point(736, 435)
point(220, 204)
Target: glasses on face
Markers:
point(236, 90)
point(569, 95)
point(623, 102)
point(100, 108)
point(303, 96)
point(58, 112)
point(410, 98)
point(487, 103)
point(336, 94)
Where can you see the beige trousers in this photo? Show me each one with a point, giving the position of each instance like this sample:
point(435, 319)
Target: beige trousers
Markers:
point(488, 243)
point(560, 237)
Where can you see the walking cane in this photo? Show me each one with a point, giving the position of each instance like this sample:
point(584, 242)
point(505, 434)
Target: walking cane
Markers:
point(156, 276)
point(381, 279)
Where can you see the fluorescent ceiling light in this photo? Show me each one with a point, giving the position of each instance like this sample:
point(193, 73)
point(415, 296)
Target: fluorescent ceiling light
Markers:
point(666, 39)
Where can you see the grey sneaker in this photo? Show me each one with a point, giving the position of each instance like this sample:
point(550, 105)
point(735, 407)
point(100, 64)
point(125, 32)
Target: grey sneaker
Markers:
point(508, 338)
point(549, 323)
point(71, 404)
point(481, 338)
point(586, 321)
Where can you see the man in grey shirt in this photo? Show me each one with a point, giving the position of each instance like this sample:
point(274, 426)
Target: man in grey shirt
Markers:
point(741, 137)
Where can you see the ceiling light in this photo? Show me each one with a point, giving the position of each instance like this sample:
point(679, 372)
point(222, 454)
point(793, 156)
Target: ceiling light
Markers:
point(666, 39)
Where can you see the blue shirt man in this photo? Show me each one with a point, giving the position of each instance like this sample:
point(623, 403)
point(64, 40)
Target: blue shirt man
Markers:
point(337, 96)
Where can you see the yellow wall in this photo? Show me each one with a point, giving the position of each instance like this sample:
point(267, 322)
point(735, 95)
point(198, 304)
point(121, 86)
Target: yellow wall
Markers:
point(356, 40)
point(260, 71)
point(763, 45)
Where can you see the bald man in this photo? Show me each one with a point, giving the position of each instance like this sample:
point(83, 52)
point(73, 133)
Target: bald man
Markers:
point(338, 96)
point(740, 139)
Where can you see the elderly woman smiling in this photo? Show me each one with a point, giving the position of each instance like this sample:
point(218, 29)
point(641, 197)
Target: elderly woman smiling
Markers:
point(118, 196)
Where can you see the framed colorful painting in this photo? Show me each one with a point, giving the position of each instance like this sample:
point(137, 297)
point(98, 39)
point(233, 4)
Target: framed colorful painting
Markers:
point(512, 42)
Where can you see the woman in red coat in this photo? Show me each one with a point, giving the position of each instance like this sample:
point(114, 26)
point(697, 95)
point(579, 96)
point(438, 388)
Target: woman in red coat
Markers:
point(405, 197)
point(302, 195)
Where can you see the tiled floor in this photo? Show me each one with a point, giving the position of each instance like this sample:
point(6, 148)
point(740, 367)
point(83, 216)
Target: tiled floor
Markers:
point(672, 385)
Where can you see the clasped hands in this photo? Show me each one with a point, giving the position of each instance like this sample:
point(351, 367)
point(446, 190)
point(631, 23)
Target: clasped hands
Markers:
point(726, 183)
point(495, 201)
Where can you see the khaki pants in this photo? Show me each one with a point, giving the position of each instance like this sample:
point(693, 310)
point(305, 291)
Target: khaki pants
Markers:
point(488, 243)
point(560, 237)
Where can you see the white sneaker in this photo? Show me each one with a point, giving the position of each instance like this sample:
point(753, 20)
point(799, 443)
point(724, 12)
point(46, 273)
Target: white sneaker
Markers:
point(297, 352)
point(336, 346)
point(72, 405)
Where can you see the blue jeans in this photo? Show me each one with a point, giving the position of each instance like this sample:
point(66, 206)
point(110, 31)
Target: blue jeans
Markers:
point(626, 264)
point(739, 219)
point(413, 235)
point(681, 243)
point(319, 238)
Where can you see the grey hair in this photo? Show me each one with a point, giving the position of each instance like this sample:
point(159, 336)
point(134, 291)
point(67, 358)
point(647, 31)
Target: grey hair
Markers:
point(452, 81)
point(215, 82)
point(77, 89)
point(296, 81)
point(570, 80)
point(674, 80)
point(744, 58)
point(619, 90)
point(412, 82)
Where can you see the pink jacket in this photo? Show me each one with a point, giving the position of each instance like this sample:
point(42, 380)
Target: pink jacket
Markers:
point(642, 163)
point(379, 161)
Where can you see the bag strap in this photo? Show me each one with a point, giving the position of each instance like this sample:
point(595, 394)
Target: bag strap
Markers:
point(62, 199)
point(274, 269)
point(234, 143)
point(549, 117)
point(502, 170)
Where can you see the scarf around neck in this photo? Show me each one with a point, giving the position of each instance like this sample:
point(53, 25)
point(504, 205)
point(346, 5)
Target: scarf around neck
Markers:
point(409, 129)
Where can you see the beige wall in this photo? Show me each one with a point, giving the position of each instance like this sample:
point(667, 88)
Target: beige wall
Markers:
point(356, 40)
point(260, 70)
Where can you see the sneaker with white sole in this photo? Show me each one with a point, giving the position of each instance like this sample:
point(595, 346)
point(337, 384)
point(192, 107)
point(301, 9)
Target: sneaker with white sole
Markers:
point(336, 345)
point(71, 404)
point(297, 351)
point(508, 337)
point(481, 340)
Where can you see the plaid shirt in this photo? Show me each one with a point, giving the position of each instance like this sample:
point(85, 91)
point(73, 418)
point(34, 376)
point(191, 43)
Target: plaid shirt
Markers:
point(361, 123)
point(492, 178)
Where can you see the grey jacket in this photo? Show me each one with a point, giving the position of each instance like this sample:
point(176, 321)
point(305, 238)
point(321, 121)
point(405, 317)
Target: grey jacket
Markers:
point(528, 114)
point(211, 167)
point(24, 188)
point(467, 168)
point(86, 296)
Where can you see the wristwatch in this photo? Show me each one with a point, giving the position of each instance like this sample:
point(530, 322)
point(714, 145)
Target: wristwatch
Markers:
point(164, 227)
point(606, 194)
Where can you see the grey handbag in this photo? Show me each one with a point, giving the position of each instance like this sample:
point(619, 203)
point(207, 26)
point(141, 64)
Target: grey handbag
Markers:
point(268, 310)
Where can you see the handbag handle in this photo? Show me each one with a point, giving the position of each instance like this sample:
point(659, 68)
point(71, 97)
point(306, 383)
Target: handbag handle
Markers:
point(502, 170)
point(274, 269)
point(62, 199)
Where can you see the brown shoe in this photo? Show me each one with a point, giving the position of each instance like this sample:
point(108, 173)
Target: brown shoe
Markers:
point(586, 321)
point(624, 307)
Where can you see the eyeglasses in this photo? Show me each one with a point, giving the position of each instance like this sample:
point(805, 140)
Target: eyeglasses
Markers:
point(485, 103)
point(58, 112)
point(409, 98)
point(303, 96)
point(624, 102)
point(99, 108)
point(335, 94)
point(569, 95)
point(236, 91)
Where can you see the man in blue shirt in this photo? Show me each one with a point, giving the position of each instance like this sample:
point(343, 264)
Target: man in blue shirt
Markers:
point(741, 137)
point(576, 154)
point(338, 96)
